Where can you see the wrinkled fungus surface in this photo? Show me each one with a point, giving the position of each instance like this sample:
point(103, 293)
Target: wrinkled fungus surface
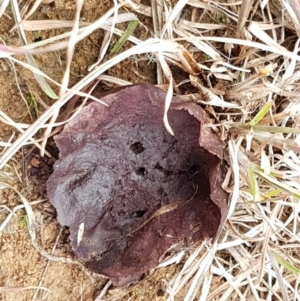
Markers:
point(118, 166)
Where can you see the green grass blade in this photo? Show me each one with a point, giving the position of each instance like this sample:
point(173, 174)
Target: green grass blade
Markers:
point(253, 184)
point(127, 33)
point(275, 183)
point(286, 264)
point(274, 192)
point(261, 114)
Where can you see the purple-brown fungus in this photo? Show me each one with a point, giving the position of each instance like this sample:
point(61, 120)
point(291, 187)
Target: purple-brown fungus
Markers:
point(129, 190)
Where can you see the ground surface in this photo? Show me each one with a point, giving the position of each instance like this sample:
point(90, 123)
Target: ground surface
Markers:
point(259, 245)
point(21, 264)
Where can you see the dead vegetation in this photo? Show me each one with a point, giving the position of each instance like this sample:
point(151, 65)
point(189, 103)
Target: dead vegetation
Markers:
point(240, 61)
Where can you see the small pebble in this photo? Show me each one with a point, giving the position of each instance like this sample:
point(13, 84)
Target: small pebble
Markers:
point(35, 162)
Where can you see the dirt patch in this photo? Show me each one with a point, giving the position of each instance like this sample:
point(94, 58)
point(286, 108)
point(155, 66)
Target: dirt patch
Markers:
point(21, 264)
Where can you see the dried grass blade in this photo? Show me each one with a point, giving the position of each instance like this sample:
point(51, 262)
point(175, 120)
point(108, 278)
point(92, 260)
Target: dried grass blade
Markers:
point(256, 30)
point(276, 49)
point(214, 8)
point(196, 281)
point(238, 280)
point(20, 127)
point(65, 80)
point(156, 24)
point(188, 25)
point(295, 193)
point(207, 284)
point(151, 45)
point(21, 288)
point(28, 209)
point(290, 70)
point(157, 18)
point(176, 10)
point(234, 283)
point(293, 8)
point(245, 9)
point(199, 44)
point(103, 22)
point(281, 143)
point(160, 14)
point(108, 35)
point(210, 97)
point(34, 7)
point(188, 269)
point(14, 210)
point(33, 25)
point(188, 61)
point(103, 291)
point(137, 7)
point(41, 80)
point(36, 294)
point(233, 149)
point(62, 45)
point(276, 129)
point(3, 7)
point(169, 96)
point(279, 277)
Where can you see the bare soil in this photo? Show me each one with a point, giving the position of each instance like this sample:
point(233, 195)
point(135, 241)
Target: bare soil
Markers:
point(21, 265)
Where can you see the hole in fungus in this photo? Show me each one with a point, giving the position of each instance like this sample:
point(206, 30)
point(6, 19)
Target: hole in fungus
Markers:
point(138, 214)
point(141, 171)
point(137, 148)
point(194, 169)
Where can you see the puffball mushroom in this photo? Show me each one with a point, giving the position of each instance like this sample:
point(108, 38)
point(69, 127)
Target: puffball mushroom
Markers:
point(127, 189)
